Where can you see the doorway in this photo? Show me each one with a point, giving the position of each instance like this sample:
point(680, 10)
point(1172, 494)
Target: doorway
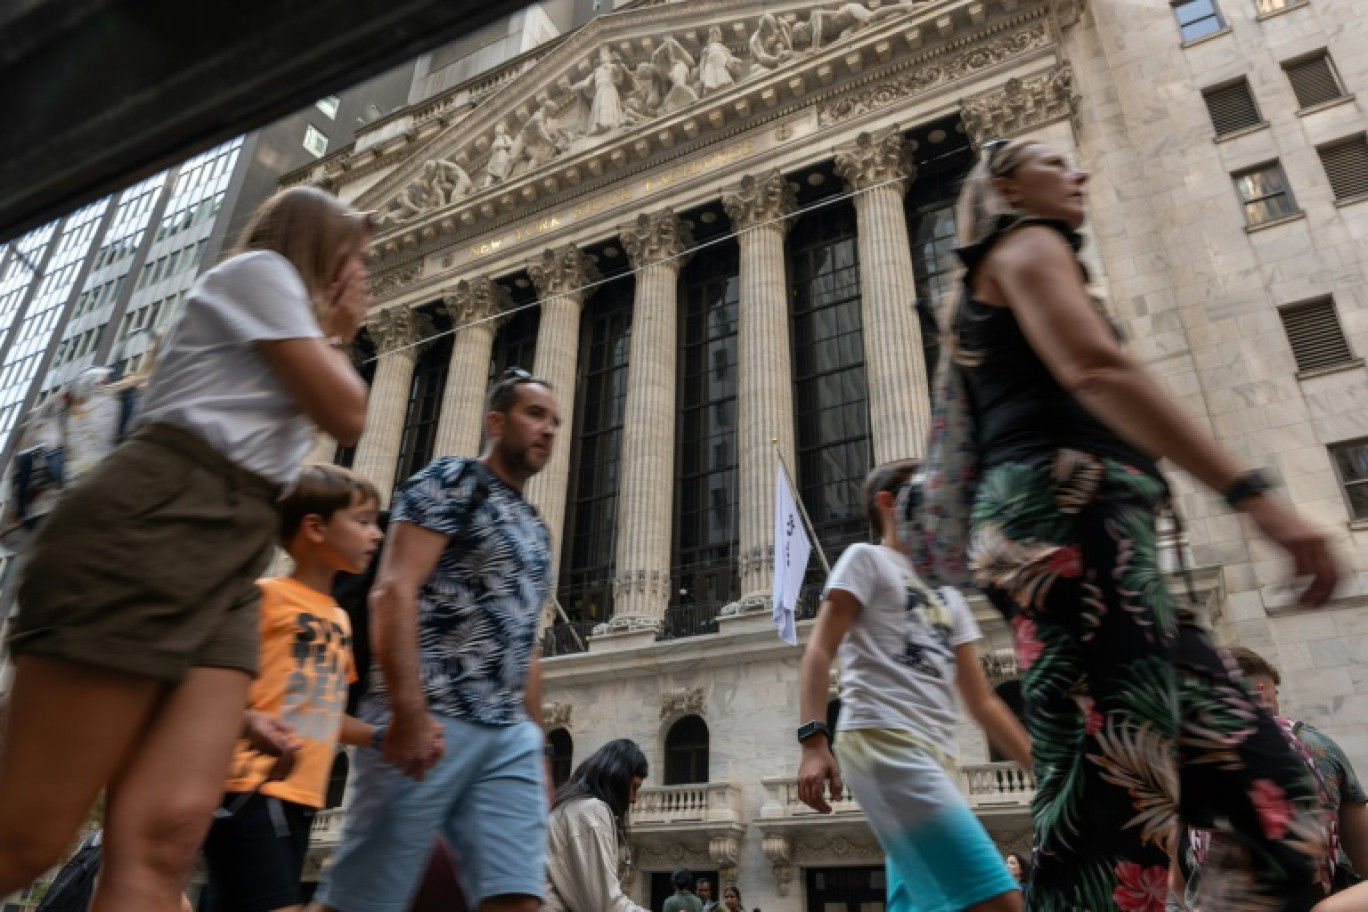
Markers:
point(846, 889)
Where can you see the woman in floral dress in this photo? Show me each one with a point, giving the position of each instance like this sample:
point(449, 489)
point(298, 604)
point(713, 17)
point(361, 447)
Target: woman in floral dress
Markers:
point(1136, 722)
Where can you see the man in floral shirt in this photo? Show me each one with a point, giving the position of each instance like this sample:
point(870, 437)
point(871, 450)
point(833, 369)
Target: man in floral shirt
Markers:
point(1344, 796)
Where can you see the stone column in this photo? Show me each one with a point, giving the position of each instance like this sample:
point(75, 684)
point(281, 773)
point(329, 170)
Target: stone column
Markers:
point(560, 277)
point(475, 307)
point(641, 586)
point(758, 208)
point(396, 332)
point(880, 166)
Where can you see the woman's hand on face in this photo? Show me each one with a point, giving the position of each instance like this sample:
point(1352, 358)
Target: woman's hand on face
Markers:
point(1308, 547)
point(348, 301)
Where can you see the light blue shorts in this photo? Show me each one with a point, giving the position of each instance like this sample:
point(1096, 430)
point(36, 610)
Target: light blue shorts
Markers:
point(937, 855)
point(486, 796)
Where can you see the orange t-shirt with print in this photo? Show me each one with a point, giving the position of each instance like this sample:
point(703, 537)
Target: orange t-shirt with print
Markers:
point(306, 665)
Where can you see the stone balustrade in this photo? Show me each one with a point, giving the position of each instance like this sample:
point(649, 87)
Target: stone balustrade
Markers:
point(987, 786)
point(327, 827)
point(997, 785)
point(668, 805)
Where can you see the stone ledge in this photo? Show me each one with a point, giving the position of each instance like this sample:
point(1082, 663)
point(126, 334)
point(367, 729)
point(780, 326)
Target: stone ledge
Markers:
point(1286, 219)
point(617, 642)
point(1244, 131)
point(1225, 30)
point(1332, 369)
point(1350, 200)
point(1326, 105)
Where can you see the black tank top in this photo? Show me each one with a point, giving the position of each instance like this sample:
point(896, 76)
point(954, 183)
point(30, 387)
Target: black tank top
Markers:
point(1022, 411)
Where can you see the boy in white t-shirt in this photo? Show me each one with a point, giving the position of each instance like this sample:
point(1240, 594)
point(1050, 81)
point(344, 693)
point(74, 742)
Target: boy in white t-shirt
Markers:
point(904, 649)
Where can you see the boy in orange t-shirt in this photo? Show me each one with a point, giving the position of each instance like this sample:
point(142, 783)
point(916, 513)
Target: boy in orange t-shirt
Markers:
point(259, 839)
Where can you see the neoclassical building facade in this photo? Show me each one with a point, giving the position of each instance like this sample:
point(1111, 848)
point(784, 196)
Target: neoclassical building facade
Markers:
point(722, 230)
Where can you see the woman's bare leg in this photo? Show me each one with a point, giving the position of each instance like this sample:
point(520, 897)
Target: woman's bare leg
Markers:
point(69, 730)
point(162, 803)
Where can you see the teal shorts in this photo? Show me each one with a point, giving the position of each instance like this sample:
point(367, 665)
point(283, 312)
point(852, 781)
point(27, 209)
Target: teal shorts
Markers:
point(937, 855)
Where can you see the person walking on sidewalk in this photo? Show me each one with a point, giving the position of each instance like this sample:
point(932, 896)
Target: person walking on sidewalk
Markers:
point(454, 616)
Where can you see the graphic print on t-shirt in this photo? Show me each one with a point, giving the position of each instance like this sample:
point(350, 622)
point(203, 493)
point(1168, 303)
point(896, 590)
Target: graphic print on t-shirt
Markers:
point(926, 649)
point(316, 690)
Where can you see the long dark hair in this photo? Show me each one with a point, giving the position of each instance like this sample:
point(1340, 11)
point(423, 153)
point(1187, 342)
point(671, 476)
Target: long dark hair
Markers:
point(607, 775)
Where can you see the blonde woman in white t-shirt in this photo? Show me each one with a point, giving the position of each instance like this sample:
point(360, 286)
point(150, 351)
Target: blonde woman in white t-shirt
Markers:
point(135, 641)
point(905, 650)
point(588, 830)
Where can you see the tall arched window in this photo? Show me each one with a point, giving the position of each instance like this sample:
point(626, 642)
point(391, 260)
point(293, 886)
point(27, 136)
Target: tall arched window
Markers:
point(686, 752)
point(562, 756)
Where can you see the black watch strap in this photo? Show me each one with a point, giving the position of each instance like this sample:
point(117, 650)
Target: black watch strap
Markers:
point(808, 729)
point(1250, 484)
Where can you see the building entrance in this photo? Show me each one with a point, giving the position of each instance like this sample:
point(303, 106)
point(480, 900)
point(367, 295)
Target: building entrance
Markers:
point(845, 889)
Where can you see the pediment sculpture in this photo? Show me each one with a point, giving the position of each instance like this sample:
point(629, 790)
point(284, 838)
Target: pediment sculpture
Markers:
point(611, 94)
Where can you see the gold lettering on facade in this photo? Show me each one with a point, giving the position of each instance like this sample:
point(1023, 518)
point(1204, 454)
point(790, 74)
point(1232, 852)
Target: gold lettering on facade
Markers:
point(718, 159)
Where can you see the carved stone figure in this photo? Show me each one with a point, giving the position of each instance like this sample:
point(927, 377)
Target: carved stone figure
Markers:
point(500, 157)
point(643, 102)
point(718, 67)
point(602, 88)
point(539, 140)
point(673, 66)
point(771, 44)
point(448, 180)
point(415, 199)
point(828, 26)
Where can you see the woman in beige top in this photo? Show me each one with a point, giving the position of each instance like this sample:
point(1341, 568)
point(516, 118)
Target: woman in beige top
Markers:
point(588, 828)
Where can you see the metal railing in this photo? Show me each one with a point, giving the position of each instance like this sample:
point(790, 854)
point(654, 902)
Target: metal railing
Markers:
point(560, 639)
point(690, 620)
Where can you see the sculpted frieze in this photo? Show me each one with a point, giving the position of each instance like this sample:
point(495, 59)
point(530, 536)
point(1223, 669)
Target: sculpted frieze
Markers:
point(935, 73)
point(611, 93)
point(1021, 104)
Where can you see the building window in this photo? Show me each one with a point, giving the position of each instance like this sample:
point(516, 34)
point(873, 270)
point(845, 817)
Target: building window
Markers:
point(562, 756)
point(686, 752)
point(516, 345)
point(364, 359)
point(315, 141)
point(830, 391)
point(1314, 331)
point(1351, 462)
point(1232, 108)
point(1346, 165)
point(1314, 80)
point(1197, 18)
point(425, 408)
point(1269, 7)
point(1265, 194)
point(329, 106)
point(936, 268)
point(586, 590)
point(705, 490)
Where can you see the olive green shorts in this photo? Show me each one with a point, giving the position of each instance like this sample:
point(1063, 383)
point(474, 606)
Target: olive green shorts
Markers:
point(148, 565)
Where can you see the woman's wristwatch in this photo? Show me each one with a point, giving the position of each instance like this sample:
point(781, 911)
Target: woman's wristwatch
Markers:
point(1249, 484)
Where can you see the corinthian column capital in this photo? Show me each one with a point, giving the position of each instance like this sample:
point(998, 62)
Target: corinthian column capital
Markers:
point(561, 271)
point(657, 238)
point(476, 301)
point(876, 158)
point(398, 330)
point(763, 199)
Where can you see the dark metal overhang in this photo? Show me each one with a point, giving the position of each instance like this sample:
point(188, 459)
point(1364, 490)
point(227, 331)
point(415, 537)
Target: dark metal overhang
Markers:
point(97, 94)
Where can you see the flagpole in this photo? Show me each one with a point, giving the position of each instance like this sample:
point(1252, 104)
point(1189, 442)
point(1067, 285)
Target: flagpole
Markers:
point(802, 510)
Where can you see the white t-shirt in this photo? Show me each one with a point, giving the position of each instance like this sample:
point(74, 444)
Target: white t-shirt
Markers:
point(898, 659)
point(212, 379)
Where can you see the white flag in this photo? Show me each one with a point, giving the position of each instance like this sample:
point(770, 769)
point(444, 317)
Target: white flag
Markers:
point(792, 548)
